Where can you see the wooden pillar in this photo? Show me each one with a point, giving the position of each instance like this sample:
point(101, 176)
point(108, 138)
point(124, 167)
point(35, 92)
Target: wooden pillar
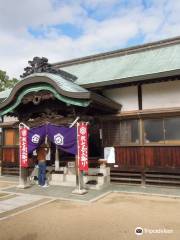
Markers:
point(0, 166)
point(143, 179)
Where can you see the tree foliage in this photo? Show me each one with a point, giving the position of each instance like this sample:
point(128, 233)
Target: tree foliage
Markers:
point(5, 81)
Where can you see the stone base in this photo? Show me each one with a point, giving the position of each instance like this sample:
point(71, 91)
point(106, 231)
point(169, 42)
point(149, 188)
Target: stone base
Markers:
point(102, 181)
point(69, 178)
point(63, 180)
point(24, 180)
point(78, 191)
point(23, 186)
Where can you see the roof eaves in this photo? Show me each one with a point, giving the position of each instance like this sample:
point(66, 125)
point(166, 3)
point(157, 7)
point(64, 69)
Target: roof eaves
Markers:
point(133, 79)
point(105, 101)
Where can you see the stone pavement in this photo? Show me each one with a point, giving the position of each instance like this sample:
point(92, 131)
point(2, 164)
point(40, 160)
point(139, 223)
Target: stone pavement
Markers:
point(9, 178)
point(59, 192)
point(15, 198)
point(65, 193)
point(17, 201)
point(11, 203)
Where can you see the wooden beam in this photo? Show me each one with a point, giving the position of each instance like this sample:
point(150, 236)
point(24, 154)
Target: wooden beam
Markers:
point(159, 112)
point(139, 87)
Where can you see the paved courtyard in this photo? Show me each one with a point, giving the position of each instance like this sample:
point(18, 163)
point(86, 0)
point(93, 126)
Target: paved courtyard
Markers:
point(112, 213)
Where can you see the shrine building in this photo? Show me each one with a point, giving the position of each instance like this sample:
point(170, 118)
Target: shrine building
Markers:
point(129, 97)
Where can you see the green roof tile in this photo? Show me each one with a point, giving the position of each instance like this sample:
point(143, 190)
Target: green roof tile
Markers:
point(61, 82)
point(128, 66)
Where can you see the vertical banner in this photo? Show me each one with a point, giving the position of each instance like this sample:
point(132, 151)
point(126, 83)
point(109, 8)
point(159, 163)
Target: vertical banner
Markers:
point(23, 147)
point(82, 140)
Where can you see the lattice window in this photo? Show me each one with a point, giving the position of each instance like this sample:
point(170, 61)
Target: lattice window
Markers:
point(120, 132)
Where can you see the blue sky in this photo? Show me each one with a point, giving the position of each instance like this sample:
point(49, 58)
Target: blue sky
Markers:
point(65, 29)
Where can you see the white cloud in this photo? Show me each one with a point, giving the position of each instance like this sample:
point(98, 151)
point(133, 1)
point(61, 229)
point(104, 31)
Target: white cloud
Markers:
point(127, 22)
point(108, 34)
point(99, 3)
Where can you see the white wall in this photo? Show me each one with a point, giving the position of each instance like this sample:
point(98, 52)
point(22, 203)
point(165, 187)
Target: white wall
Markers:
point(127, 96)
point(161, 95)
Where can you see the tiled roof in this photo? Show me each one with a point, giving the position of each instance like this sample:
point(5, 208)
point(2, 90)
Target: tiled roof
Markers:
point(135, 66)
point(64, 90)
point(64, 84)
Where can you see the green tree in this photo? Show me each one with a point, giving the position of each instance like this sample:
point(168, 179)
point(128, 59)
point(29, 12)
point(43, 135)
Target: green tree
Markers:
point(5, 81)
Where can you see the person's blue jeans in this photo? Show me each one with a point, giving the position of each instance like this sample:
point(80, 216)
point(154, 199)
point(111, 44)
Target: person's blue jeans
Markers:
point(42, 173)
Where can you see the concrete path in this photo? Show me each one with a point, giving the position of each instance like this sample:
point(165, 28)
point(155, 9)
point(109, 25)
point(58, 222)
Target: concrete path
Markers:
point(65, 193)
point(17, 201)
point(9, 178)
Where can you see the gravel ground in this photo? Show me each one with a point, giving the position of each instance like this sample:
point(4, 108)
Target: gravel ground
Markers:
point(114, 217)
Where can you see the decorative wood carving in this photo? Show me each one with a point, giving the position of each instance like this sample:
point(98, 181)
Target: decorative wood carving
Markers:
point(40, 65)
point(36, 98)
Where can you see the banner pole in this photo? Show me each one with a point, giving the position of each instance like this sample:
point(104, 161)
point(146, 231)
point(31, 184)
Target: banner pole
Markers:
point(77, 173)
point(78, 189)
point(21, 182)
point(22, 174)
point(77, 163)
point(20, 170)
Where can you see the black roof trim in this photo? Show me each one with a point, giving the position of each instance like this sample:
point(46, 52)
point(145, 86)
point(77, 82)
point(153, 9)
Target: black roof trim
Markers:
point(160, 75)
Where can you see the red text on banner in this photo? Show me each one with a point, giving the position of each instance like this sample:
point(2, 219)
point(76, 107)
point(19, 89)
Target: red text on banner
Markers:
point(82, 133)
point(23, 147)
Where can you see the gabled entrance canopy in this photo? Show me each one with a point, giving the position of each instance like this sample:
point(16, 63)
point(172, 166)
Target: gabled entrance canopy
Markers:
point(59, 88)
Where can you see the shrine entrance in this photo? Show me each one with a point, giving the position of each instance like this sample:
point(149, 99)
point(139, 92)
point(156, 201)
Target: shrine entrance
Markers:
point(73, 140)
point(49, 98)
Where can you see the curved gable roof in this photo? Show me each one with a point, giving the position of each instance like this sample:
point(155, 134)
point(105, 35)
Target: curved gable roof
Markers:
point(62, 89)
point(62, 86)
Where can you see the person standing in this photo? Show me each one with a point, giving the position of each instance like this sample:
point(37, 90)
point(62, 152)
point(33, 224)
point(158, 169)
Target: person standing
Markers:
point(41, 157)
